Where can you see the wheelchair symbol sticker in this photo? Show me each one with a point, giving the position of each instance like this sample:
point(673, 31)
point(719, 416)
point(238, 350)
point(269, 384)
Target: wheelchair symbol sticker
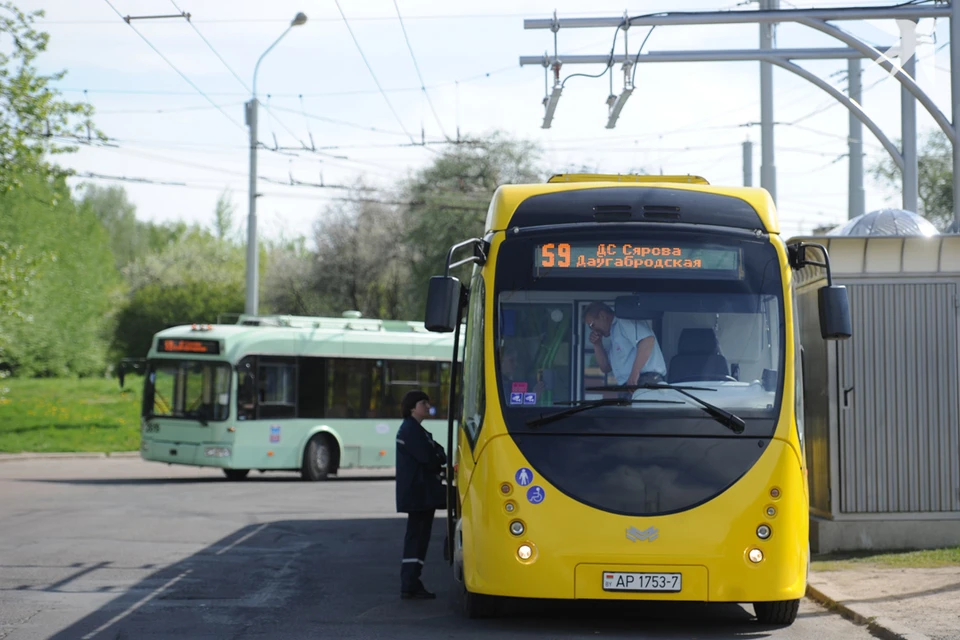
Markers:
point(535, 494)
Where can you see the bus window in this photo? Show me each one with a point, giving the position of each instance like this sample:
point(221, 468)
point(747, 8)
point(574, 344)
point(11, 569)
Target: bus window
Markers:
point(473, 392)
point(277, 395)
point(311, 377)
point(188, 389)
point(354, 388)
point(246, 390)
point(535, 353)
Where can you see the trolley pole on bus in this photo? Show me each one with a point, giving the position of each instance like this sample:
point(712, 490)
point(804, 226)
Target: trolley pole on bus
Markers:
point(252, 297)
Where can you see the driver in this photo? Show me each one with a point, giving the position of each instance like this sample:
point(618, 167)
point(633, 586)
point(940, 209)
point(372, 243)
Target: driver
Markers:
point(626, 347)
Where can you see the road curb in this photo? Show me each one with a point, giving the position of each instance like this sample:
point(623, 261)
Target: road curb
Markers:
point(17, 457)
point(878, 625)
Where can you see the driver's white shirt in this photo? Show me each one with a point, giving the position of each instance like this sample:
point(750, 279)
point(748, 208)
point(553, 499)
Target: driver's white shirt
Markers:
point(621, 348)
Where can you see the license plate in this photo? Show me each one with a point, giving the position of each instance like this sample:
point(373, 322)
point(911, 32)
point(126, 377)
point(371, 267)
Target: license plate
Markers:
point(622, 581)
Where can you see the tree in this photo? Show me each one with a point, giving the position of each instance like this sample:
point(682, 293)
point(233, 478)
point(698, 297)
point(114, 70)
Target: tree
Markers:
point(223, 217)
point(935, 160)
point(289, 285)
point(157, 306)
point(73, 281)
point(360, 264)
point(195, 279)
point(118, 215)
point(33, 117)
point(450, 200)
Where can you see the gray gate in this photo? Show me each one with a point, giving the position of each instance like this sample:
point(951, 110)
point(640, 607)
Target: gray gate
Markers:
point(899, 439)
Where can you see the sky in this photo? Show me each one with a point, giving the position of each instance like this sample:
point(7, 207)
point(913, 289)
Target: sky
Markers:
point(342, 99)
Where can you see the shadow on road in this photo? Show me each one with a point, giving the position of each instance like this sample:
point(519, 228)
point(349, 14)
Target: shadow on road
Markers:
point(340, 579)
point(252, 479)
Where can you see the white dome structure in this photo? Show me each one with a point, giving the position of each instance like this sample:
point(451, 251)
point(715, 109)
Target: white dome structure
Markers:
point(887, 222)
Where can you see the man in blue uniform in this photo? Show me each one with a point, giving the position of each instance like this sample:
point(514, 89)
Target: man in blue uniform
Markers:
point(628, 348)
point(420, 491)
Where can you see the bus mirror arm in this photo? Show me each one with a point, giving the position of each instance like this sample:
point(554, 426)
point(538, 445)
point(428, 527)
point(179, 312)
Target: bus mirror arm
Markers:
point(832, 300)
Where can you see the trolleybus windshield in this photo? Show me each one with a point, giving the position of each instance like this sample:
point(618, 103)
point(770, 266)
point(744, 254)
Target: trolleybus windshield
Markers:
point(712, 305)
point(189, 389)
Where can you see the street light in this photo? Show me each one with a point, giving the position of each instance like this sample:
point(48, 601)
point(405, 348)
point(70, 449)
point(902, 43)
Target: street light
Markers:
point(252, 299)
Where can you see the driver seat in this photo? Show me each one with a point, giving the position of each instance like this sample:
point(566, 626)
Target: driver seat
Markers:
point(698, 357)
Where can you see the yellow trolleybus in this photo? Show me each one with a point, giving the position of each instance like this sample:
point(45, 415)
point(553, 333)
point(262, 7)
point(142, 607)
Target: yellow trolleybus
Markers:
point(575, 478)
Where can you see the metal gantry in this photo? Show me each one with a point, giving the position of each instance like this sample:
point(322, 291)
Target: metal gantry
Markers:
point(768, 55)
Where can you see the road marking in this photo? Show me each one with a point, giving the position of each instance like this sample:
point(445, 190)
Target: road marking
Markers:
point(240, 540)
point(142, 601)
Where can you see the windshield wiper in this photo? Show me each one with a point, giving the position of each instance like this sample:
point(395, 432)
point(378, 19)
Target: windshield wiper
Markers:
point(733, 422)
point(197, 415)
point(584, 405)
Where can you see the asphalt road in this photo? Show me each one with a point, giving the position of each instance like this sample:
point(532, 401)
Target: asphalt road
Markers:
point(126, 549)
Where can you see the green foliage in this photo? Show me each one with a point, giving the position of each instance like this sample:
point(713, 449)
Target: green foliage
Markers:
point(195, 256)
point(71, 415)
point(73, 281)
point(33, 118)
point(129, 237)
point(451, 198)
point(223, 218)
point(924, 558)
point(935, 164)
point(156, 306)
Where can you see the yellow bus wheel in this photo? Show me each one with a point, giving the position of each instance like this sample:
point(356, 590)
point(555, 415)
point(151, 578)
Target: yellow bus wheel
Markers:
point(781, 612)
point(478, 605)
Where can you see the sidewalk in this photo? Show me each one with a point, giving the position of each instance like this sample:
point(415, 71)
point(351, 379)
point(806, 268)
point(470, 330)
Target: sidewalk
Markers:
point(911, 604)
point(13, 457)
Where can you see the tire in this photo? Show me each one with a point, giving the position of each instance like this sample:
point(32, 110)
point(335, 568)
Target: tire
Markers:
point(319, 458)
point(779, 613)
point(236, 474)
point(478, 605)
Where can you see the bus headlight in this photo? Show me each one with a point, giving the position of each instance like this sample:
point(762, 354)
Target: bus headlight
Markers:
point(755, 555)
point(517, 529)
point(524, 552)
point(217, 452)
point(763, 532)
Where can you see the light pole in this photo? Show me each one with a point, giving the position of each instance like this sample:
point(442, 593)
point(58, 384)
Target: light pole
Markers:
point(252, 299)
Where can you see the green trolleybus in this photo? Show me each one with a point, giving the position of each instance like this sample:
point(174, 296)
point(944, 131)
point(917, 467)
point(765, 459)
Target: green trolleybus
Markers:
point(288, 393)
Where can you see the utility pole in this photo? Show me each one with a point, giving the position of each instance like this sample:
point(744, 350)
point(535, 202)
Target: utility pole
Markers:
point(747, 163)
point(908, 116)
point(856, 205)
point(768, 169)
point(253, 255)
point(955, 96)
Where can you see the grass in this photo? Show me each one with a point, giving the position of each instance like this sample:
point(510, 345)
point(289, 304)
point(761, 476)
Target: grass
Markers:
point(69, 415)
point(925, 559)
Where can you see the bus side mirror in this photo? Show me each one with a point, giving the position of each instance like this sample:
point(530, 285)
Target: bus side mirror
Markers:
point(834, 313)
point(443, 303)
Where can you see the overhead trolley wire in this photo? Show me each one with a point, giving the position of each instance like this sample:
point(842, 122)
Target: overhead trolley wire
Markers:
point(370, 69)
point(174, 67)
point(419, 75)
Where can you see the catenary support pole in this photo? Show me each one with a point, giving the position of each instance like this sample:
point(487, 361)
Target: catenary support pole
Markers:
point(252, 301)
point(768, 170)
point(856, 197)
point(908, 116)
point(747, 163)
point(955, 97)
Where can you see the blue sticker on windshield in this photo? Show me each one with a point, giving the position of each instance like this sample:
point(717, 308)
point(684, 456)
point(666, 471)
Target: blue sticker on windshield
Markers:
point(535, 494)
point(529, 398)
point(516, 398)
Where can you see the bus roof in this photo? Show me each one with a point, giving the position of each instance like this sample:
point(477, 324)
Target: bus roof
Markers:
point(305, 336)
point(507, 198)
point(625, 177)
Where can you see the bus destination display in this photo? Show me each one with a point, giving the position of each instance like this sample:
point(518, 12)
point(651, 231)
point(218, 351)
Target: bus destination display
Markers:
point(624, 258)
point(209, 347)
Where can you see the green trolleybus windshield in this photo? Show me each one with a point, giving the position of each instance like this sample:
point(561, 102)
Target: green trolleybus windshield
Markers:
point(712, 303)
point(188, 389)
